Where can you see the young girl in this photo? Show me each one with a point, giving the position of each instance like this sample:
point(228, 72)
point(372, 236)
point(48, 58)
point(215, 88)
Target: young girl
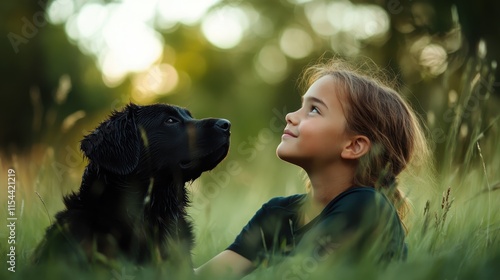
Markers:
point(352, 136)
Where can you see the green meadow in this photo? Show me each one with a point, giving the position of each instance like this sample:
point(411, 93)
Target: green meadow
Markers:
point(454, 224)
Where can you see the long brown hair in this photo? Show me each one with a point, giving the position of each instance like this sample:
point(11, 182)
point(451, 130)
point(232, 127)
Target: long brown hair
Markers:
point(378, 112)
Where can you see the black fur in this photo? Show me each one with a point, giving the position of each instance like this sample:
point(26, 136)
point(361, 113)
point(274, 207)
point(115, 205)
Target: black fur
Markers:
point(132, 200)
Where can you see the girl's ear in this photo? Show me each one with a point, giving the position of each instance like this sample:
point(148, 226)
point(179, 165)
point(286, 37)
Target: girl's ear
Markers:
point(358, 146)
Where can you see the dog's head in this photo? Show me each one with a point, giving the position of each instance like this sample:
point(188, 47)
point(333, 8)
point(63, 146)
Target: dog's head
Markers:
point(158, 138)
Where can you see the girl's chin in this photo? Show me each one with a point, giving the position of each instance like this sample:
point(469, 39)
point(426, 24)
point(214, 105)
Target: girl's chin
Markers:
point(281, 155)
point(284, 156)
point(281, 152)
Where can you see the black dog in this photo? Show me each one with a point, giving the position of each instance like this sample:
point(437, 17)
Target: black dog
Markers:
point(132, 201)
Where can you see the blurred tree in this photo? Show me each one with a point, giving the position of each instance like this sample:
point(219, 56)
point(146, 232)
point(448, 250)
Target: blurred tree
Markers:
point(22, 69)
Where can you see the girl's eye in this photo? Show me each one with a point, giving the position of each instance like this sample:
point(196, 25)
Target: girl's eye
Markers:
point(314, 110)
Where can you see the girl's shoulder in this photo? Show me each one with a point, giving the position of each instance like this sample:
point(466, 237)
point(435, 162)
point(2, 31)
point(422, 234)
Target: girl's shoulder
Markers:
point(352, 195)
point(357, 199)
point(286, 202)
point(358, 193)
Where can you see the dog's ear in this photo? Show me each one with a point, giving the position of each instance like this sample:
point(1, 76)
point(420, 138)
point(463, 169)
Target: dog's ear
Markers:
point(115, 144)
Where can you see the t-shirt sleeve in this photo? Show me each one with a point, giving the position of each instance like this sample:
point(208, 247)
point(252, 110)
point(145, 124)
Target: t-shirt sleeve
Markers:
point(256, 236)
point(249, 241)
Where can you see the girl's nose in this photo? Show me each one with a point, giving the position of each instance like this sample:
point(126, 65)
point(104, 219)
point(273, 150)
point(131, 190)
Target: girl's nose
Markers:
point(291, 118)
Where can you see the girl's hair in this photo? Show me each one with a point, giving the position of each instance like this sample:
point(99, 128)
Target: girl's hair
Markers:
point(378, 112)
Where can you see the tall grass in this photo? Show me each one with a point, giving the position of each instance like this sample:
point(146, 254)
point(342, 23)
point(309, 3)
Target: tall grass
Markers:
point(454, 226)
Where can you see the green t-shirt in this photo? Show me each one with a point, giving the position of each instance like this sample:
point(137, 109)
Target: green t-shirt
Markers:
point(361, 214)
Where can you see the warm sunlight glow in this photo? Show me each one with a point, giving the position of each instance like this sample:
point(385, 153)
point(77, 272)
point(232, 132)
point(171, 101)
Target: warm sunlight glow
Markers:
point(363, 21)
point(132, 51)
point(59, 11)
point(296, 43)
point(187, 12)
point(90, 20)
point(119, 36)
point(345, 22)
point(224, 27)
point(434, 59)
point(271, 65)
point(158, 80)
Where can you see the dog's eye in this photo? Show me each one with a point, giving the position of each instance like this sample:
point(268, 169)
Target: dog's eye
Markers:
point(171, 121)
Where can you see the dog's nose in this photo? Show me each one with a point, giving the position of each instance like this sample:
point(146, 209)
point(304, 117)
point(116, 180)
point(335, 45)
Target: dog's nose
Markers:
point(223, 124)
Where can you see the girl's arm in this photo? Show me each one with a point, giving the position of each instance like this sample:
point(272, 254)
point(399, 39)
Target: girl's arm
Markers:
point(227, 264)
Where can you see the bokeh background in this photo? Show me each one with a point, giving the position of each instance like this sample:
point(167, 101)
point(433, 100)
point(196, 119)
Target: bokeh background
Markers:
point(65, 64)
point(234, 59)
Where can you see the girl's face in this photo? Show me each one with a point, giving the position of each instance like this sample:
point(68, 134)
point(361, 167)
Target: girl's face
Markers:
point(315, 134)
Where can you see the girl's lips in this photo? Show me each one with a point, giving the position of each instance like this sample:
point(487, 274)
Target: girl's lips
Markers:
point(288, 132)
